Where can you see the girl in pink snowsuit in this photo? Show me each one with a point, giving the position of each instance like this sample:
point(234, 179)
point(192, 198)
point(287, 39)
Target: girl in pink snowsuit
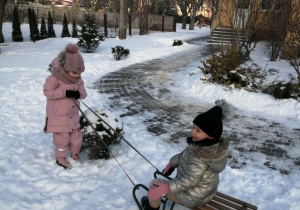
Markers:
point(62, 115)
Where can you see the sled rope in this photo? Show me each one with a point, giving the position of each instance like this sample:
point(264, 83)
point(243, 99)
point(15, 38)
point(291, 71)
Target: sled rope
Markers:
point(120, 135)
point(101, 139)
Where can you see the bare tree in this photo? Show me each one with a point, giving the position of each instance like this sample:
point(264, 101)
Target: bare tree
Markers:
point(143, 13)
point(214, 5)
point(185, 11)
point(165, 7)
point(195, 5)
point(276, 16)
point(133, 7)
point(245, 20)
point(123, 19)
point(292, 39)
point(108, 5)
point(156, 7)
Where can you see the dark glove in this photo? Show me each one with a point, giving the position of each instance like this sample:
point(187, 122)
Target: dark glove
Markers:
point(168, 170)
point(72, 94)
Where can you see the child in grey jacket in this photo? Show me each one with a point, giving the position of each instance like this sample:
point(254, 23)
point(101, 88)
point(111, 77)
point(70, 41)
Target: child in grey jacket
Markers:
point(198, 166)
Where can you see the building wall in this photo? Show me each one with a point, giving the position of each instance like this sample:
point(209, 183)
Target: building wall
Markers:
point(262, 19)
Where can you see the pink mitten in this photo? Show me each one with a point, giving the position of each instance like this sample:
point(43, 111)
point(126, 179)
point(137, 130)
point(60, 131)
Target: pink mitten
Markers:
point(159, 191)
point(168, 170)
point(168, 166)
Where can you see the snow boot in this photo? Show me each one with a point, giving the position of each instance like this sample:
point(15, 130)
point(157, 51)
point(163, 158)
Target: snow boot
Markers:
point(63, 163)
point(76, 157)
point(146, 205)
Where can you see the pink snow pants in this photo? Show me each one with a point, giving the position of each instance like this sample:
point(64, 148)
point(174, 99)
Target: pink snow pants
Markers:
point(67, 141)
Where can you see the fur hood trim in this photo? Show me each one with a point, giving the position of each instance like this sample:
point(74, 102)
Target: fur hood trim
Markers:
point(211, 153)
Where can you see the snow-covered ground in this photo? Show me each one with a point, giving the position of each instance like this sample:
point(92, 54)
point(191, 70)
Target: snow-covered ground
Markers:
point(30, 179)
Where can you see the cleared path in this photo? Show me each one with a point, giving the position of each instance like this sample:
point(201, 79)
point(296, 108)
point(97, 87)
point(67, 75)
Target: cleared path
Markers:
point(143, 89)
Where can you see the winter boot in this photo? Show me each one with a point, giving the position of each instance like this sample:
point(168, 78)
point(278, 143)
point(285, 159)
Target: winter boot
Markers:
point(63, 163)
point(146, 205)
point(76, 157)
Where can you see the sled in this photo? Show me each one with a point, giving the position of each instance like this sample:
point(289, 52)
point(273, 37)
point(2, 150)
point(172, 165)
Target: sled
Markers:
point(219, 202)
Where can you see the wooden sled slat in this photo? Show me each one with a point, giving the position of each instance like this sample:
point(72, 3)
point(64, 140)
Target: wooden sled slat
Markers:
point(225, 202)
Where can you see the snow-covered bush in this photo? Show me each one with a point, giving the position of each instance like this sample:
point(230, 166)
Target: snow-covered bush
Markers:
point(177, 42)
point(92, 141)
point(284, 90)
point(119, 51)
point(225, 69)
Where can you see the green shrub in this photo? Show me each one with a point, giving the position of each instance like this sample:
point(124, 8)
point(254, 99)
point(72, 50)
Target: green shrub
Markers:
point(65, 30)
point(177, 42)
point(224, 69)
point(119, 52)
point(16, 27)
point(283, 90)
point(51, 31)
point(91, 141)
point(222, 64)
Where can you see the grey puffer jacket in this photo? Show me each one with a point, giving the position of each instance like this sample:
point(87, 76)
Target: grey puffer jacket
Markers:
point(198, 169)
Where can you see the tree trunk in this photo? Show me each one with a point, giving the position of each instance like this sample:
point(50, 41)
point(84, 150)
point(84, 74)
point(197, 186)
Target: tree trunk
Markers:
point(183, 23)
point(105, 25)
point(123, 19)
point(2, 13)
point(192, 21)
point(163, 23)
point(129, 24)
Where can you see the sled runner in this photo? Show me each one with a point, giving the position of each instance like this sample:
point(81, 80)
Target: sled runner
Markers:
point(219, 202)
point(164, 200)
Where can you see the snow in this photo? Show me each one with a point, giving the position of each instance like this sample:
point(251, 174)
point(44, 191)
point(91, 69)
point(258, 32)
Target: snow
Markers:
point(30, 179)
point(110, 119)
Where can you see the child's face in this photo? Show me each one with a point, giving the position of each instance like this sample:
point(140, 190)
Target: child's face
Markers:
point(73, 74)
point(198, 134)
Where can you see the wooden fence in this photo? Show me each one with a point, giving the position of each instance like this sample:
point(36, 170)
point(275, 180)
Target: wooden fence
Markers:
point(155, 22)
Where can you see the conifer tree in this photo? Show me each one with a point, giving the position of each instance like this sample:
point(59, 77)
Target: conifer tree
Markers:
point(16, 28)
point(51, 31)
point(2, 38)
point(74, 29)
point(43, 34)
point(90, 37)
point(65, 30)
point(36, 32)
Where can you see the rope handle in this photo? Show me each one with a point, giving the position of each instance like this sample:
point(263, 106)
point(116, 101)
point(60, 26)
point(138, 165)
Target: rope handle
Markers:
point(101, 139)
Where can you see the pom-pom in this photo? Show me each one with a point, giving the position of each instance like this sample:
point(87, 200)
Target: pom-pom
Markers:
point(72, 48)
point(227, 109)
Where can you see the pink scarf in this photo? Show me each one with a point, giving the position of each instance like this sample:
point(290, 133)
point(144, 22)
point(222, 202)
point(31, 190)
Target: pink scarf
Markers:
point(62, 75)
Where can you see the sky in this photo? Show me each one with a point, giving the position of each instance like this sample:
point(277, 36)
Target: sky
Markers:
point(29, 176)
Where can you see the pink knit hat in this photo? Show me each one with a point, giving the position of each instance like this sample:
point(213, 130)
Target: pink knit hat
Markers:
point(73, 60)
